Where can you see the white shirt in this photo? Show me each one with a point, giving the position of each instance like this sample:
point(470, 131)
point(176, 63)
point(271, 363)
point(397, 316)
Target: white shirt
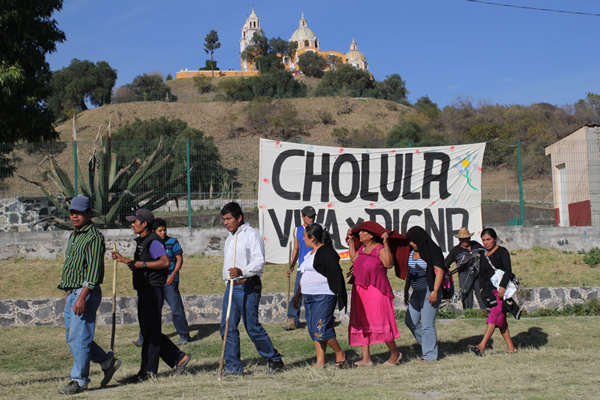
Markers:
point(250, 252)
point(312, 282)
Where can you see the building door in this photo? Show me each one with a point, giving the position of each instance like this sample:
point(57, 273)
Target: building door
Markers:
point(563, 198)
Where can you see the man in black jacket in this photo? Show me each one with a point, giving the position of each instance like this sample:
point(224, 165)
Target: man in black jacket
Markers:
point(150, 267)
point(467, 274)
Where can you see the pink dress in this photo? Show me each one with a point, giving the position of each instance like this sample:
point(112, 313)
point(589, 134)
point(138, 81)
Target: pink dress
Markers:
point(372, 318)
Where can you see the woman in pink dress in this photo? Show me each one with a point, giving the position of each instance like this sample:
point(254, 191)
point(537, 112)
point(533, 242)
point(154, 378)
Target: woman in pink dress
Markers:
point(372, 318)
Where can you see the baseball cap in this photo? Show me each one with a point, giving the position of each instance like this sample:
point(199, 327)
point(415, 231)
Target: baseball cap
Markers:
point(80, 203)
point(142, 215)
point(308, 211)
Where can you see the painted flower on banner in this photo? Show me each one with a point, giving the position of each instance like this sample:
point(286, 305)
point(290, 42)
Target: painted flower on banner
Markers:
point(467, 166)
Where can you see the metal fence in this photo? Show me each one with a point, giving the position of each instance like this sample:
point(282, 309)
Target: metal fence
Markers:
point(516, 186)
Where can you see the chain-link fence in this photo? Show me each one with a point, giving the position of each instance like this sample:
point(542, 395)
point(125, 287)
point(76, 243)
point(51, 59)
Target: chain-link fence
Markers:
point(228, 169)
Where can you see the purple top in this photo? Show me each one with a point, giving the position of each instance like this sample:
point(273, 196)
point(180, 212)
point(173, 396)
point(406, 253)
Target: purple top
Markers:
point(370, 271)
point(157, 250)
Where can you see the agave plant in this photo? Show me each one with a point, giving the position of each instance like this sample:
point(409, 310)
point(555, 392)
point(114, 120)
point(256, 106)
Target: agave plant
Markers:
point(113, 192)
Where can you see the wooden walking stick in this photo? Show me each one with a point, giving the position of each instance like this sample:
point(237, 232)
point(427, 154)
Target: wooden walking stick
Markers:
point(114, 302)
point(289, 276)
point(228, 310)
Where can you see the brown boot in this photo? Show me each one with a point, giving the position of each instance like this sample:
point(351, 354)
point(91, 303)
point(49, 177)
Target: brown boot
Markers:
point(290, 325)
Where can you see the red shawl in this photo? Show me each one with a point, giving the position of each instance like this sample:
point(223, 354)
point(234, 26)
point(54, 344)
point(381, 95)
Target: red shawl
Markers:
point(398, 245)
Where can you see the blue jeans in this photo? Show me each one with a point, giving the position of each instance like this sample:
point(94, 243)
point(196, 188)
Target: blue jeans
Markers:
point(420, 319)
point(79, 331)
point(244, 306)
point(292, 312)
point(173, 298)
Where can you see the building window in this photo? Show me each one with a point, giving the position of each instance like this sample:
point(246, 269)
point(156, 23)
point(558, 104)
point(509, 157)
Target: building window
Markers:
point(306, 43)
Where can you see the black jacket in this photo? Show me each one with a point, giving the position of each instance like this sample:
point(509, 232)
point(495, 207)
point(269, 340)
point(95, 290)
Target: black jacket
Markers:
point(327, 263)
point(144, 277)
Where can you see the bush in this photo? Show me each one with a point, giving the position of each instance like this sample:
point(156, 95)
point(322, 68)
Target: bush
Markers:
point(592, 258)
point(236, 89)
point(138, 139)
point(326, 117)
point(203, 84)
point(274, 119)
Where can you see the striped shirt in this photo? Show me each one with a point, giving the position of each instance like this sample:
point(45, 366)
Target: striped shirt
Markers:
point(84, 259)
point(173, 249)
point(250, 252)
point(418, 272)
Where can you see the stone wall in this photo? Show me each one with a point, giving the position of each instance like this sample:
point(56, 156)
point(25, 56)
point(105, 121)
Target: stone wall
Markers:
point(207, 309)
point(22, 214)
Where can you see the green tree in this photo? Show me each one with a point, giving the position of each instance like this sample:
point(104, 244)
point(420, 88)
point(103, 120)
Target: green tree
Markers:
point(28, 34)
point(346, 79)
point(393, 88)
point(138, 139)
point(79, 83)
point(333, 62)
point(588, 110)
point(410, 133)
point(268, 54)
point(149, 87)
point(312, 64)
point(425, 106)
point(211, 43)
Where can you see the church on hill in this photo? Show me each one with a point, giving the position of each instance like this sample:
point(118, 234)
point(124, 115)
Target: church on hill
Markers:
point(307, 42)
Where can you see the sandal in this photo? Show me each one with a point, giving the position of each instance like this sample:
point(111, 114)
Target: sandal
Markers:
point(341, 364)
point(475, 350)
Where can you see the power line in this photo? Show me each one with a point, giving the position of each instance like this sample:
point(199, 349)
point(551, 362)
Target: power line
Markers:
point(534, 8)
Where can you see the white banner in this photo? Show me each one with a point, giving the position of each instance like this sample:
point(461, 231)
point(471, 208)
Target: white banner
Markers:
point(437, 188)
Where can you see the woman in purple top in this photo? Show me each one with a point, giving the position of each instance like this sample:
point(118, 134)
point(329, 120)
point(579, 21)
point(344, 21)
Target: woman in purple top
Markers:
point(372, 318)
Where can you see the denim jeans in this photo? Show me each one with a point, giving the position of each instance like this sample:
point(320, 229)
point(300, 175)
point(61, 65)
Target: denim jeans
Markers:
point(292, 312)
point(79, 331)
point(244, 306)
point(173, 298)
point(420, 319)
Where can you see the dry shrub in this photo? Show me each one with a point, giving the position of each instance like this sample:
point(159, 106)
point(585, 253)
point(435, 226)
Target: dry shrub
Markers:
point(326, 117)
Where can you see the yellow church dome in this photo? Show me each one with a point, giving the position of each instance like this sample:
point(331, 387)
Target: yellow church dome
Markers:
point(354, 54)
point(303, 32)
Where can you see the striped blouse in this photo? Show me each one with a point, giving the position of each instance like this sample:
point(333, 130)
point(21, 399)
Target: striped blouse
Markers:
point(418, 272)
point(84, 259)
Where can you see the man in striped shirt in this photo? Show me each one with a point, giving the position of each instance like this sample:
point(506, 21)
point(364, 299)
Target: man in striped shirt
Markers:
point(82, 275)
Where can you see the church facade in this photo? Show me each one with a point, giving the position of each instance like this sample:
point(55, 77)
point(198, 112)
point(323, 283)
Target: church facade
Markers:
point(307, 42)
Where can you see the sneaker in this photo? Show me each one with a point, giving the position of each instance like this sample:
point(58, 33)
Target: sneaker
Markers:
point(290, 325)
point(138, 343)
point(115, 363)
point(275, 367)
point(182, 364)
point(227, 372)
point(183, 341)
point(72, 388)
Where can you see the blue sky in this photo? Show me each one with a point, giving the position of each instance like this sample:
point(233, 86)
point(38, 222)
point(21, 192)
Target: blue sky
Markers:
point(444, 49)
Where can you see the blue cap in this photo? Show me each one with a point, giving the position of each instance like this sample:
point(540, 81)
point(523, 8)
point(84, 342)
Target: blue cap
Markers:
point(80, 203)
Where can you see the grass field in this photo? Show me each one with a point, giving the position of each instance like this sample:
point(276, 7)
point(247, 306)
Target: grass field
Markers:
point(202, 275)
point(559, 358)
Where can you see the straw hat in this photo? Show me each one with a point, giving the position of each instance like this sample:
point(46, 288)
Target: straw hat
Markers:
point(463, 233)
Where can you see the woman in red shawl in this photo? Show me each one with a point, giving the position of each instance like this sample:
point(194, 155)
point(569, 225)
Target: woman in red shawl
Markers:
point(372, 318)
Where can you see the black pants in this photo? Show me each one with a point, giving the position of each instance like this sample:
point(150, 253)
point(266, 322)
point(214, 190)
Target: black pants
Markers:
point(150, 300)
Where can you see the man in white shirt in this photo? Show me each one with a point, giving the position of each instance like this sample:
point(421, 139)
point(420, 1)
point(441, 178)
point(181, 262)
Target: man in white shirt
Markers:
point(249, 262)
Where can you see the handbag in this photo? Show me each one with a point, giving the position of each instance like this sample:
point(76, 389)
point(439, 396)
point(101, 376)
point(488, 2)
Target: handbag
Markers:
point(513, 283)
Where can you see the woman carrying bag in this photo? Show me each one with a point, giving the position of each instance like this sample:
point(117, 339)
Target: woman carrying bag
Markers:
point(496, 257)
